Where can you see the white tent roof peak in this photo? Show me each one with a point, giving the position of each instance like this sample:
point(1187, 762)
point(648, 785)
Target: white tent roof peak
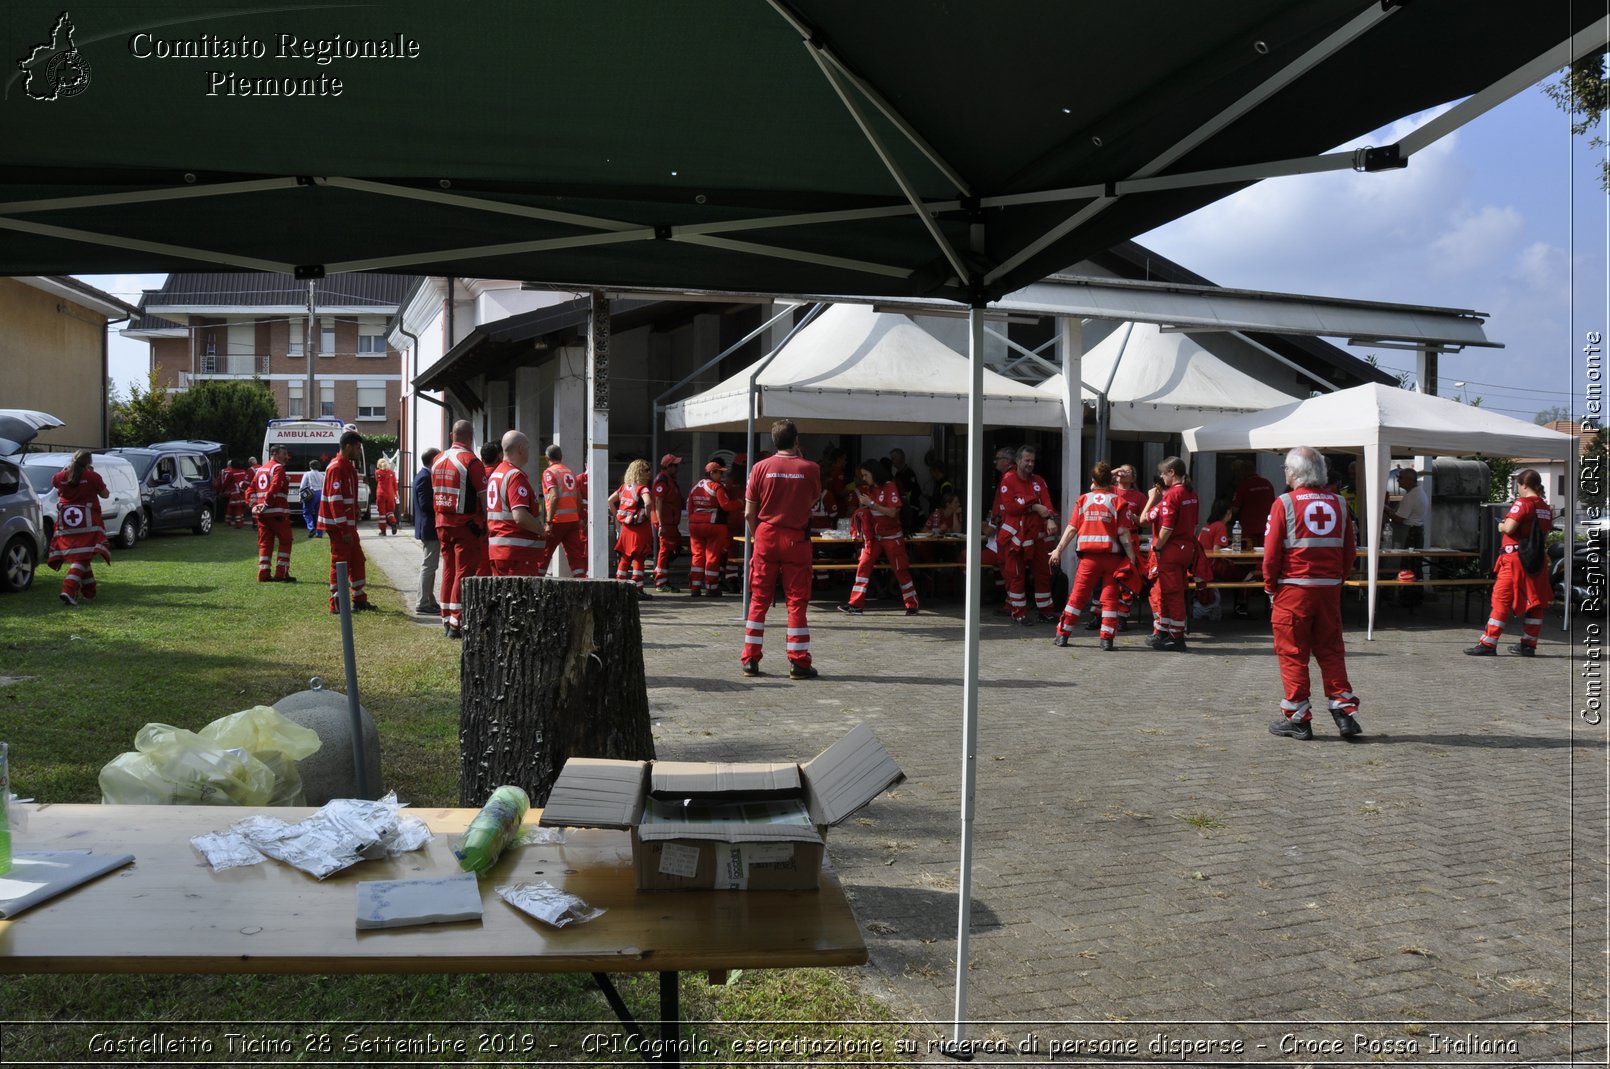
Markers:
point(854, 366)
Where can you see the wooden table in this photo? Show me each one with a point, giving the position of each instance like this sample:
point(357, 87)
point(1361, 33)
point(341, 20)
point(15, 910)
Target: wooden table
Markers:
point(170, 913)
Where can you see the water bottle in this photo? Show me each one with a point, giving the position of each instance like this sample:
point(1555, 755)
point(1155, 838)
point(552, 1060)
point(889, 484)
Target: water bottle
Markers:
point(493, 827)
point(5, 803)
point(1386, 536)
point(1235, 537)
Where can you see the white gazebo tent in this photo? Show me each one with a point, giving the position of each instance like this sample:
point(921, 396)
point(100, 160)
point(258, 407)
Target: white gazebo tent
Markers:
point(1377, 419)
point(852, 366)
point(1162, 382)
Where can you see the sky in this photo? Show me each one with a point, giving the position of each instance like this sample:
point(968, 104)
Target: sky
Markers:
point(1505, 216)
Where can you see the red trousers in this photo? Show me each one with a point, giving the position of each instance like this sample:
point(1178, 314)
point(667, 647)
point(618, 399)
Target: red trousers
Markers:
point(708, 544)
point(1168, 593)
point(1094, 569)
point(893, 548)
point(1307, 622)
point(1518, 594)
point(521, 564)
point(670, 546)
point(386, 512)
point(235, 511)
point(463, 555)
point(569, 536)
point(633, 544)
point(344, 546)
point(786, 555)
point(271, 529)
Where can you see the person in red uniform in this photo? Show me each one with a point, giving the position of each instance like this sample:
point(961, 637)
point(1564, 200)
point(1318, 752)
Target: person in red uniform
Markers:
point(234, 479)
point(338, 519)
point(385, 496)
point(1023, 505)
point(1173, 516)
point(1100, 530)
point(1307, 552)
point(777, 511)
point(513, 533)
point(1252, 495)
point(1037, 564)
point(1516, 591)
point(667, 519)
point(731, 555)
point(79, 536)
point(634, 542)
point(271, 509)
point(561, 500)
point(882, 503)
point(458, 489)
point(707, 529)
point(1214, 537)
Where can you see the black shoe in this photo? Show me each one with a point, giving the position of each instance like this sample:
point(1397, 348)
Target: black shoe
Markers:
point(1092, 623)
point(696, 593)
point(1060, 641)
point(365, 606)
point(1106, 645)
point(800, 672)
point(1346, 725)
point(911, 612)
point(644, 595)
point(285, 579)
point(665, 588)
point(751, 668)
point(1481, 649)
point(1049, 617)
point(1292, 729)
point(1177, 644)
point(1123, 625)
point(849, 610)
point(1158, 641)
point(1026, 621)
point(1521, 649)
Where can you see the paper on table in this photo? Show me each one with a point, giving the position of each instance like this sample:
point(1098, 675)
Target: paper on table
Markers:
point(38, 877)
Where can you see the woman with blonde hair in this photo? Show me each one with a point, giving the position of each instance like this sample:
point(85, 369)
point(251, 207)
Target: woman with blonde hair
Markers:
point(386, 495)
point(79, 537)
point(631, 505)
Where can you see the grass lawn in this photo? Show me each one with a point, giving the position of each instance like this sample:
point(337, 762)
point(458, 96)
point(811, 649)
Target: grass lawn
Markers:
point(183, 634)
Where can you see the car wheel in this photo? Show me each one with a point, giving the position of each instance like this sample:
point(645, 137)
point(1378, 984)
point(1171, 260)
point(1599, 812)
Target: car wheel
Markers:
point(129, 533)
point(17, 564)
point(145, 523)
point(203, 522)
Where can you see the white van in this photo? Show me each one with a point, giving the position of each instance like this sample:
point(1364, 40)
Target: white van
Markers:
point(310, 440)
point(120, 512)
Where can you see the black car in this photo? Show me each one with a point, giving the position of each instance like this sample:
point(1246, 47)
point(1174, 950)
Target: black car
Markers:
point(176, 488)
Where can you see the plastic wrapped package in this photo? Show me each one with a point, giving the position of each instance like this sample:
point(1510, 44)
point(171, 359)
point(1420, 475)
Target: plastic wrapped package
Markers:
point(225, 850)
point(548, 903)
point(494, 827)
point(342, 833)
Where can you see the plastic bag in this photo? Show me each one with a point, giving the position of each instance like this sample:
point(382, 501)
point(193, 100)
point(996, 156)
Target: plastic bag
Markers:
point(273, 739)
point(172, 766)
point(548, 903)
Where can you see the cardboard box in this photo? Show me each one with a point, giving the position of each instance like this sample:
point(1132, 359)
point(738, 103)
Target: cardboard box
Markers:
point(735, 827)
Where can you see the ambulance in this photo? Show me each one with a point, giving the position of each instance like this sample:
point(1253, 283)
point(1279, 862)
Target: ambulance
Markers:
point(310, 440)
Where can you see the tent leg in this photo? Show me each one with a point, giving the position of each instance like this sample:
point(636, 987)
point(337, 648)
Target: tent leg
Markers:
point(977, 464)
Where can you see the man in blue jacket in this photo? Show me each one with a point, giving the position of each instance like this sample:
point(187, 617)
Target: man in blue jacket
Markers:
point(425, 531)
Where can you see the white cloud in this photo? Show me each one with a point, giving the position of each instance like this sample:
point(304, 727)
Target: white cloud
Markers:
point(1476, 241)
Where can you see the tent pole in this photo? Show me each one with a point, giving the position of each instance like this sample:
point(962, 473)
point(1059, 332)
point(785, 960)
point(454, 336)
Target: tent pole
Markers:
point(1375, 461)
point(1570, 498)
point(977, 464)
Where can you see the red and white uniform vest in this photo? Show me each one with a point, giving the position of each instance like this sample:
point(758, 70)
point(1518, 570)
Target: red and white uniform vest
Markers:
point(269, 489)
point(1097, 518)
point(236, 481)
point(1525, 512)
point(629, 510)
point(507, 489)
point(457, 481)
point(338, 507)
point(886, 496)
point(1014, 503)
point(1309, 540)
point(78, 517)
point(707, 501)
point(559, 486)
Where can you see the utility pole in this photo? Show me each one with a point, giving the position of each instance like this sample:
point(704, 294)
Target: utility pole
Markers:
point(312, 390)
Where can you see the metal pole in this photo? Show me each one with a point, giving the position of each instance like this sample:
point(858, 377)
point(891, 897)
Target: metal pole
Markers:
point(307, 347)
point(749, 426)
point(973, 553)
point(344, 599)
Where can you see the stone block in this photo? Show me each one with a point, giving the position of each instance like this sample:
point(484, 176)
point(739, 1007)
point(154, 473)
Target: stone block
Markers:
point(329, 773)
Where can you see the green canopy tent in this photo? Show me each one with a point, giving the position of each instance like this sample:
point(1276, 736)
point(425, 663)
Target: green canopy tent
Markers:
point(802, 147)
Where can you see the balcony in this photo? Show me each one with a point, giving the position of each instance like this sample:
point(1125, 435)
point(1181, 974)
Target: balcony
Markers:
point(233, 365)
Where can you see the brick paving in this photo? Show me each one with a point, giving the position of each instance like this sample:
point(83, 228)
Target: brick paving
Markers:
point(1148, 855)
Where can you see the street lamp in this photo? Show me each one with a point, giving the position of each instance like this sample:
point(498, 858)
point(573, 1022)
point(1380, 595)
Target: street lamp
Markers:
point(1461, 388)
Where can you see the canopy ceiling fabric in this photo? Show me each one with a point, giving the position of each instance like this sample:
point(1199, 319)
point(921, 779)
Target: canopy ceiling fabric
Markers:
point(854, 370)
point(1165, 382)
point(615, 141)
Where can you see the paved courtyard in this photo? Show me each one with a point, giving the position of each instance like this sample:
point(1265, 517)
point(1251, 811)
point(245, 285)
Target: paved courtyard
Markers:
point(1149, 859)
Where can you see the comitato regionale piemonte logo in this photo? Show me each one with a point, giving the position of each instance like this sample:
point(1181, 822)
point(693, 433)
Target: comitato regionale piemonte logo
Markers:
point(56, 69)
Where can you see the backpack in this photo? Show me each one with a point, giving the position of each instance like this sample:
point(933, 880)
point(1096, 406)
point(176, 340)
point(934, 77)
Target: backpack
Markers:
point(1530, 549)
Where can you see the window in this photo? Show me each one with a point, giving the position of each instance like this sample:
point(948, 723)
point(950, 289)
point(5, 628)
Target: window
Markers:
point(371, 336)
point(293, 400)
point(166, 471)
point(326, 336)
point(326, 398)
point(194, 468)
point(298, 334)
point(371, 400)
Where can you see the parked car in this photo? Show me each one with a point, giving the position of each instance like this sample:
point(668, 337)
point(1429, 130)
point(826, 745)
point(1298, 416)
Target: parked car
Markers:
point(176, 489)
point(120, 511)
point(21, 540)
point(213, 451)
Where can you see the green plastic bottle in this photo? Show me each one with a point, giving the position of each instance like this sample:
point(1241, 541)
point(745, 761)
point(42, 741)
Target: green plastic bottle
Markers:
point(493, 827)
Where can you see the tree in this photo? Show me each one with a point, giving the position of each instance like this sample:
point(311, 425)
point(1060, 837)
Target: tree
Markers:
point(143, 418)
point(234, 413)
point(1549, 415)
point(1582, 92)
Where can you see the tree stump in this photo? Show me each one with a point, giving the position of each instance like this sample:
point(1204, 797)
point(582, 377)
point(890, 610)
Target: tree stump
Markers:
point(551, 669)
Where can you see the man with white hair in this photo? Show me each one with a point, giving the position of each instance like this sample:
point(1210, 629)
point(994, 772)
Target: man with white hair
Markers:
point(1308, 551)
point(514, 533)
